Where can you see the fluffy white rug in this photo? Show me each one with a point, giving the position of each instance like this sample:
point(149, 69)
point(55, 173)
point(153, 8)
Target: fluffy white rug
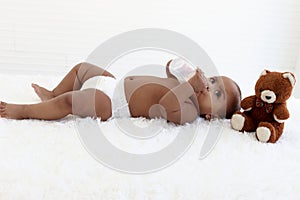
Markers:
point(46, 160)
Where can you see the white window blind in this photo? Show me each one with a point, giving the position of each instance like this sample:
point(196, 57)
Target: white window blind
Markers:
point(53, 35)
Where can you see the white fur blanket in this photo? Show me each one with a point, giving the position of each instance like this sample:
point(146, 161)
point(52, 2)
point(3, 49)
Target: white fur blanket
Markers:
point(46, 160)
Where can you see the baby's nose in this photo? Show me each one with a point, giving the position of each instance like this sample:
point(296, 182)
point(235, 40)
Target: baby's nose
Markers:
point(205, 89)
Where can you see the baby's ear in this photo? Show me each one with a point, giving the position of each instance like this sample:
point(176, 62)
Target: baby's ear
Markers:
point(291, 77)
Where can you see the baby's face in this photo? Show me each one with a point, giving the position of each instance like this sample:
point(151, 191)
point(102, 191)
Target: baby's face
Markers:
point(221, 94)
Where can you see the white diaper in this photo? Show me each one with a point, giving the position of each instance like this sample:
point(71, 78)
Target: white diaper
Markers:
point(114, 89)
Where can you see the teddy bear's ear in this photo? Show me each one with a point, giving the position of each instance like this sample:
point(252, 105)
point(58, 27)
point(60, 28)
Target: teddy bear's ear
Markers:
point(264, 72)
point(291, 77)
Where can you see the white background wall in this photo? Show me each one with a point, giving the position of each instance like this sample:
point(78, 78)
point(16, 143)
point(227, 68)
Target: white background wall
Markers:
point(242, 36)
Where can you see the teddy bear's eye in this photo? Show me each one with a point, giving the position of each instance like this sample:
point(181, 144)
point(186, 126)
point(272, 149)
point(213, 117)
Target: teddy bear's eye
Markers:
point(261, 90)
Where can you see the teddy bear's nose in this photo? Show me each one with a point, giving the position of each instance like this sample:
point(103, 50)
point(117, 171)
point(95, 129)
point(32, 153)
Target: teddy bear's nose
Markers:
point(268, 97)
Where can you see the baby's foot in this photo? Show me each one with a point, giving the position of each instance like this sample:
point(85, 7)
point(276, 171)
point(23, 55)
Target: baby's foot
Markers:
point(11, 111)
point(43, 93)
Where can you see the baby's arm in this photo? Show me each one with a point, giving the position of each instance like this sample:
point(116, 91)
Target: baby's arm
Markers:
point(177, 104)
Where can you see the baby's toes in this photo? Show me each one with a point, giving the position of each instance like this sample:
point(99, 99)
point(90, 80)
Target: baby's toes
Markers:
point(2, 109)
point(2, 104)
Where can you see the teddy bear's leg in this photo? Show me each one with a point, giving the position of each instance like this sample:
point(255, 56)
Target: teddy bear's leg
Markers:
point(269, 132)
point(242, 122)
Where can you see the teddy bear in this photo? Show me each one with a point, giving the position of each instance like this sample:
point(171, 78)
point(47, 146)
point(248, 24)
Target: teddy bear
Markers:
point(266, 111)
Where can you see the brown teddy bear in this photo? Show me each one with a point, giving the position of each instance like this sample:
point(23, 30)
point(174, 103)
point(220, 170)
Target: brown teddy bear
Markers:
point(266, 111)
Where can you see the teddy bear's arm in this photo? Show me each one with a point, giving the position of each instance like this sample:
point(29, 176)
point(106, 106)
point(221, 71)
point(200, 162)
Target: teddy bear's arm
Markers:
point(248, 103)
point(281, 113)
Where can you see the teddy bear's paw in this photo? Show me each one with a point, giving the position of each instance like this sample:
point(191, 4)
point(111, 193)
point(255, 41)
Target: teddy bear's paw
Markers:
point(263, 134)
point(237, 122)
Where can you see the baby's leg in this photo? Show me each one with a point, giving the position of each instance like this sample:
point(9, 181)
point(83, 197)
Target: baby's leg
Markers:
point(89, 102)
point(72, 81)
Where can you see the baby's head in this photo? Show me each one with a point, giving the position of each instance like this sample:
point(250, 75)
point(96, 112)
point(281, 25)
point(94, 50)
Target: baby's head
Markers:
point(221, 99)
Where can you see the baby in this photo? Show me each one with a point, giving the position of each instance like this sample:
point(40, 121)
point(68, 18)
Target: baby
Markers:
point(88, 90)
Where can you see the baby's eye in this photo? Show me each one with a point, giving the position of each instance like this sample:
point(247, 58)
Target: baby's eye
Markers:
point(218, 93)
point(212, 80)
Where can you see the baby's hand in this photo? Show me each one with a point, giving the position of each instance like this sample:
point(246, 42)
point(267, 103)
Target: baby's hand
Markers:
point(199, 81)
